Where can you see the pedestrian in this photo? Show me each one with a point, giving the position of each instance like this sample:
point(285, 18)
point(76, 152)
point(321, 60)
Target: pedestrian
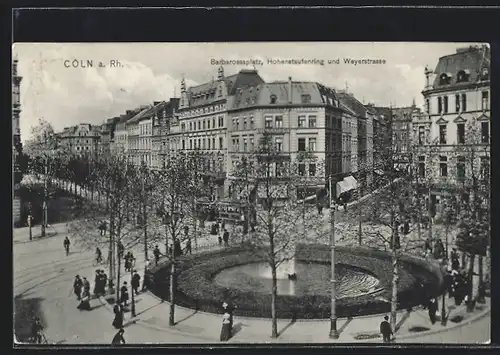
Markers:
point(85, 301)
point(225, 333)
point(97, 282)
point(225, 236)
point(229, 308)
point(86, 285)
point(319, 206)
point(127, 262)
point(455, 263)
point(433, 307)
point(144, 282)
point(118, 320)
point(188, 247)
point(428, 246)
point(66, 244)
point(156, 253)
point(386, 330)
point(77, 287)
point(121, 250)
point(118, 338)
point(104, 278)
point(177, 248)
point(124, 294)
point(135, 282)
point(37, 331)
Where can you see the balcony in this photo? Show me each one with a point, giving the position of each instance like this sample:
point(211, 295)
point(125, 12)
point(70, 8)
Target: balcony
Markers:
point(273, 130)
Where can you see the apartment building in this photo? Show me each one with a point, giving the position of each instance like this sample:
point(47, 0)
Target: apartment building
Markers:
point(203, 121)
point(82, 139)
point(119, 143)
point(453, 135)
point(107, 132)
point(139, 133)
point(162, 116)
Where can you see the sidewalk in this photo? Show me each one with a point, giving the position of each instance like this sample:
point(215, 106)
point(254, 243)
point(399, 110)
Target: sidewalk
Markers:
point(153, 313)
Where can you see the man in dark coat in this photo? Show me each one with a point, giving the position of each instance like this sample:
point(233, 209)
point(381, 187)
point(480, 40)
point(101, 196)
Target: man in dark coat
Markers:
point(455, 263)
point(433, 307)
point(86, 285)
point(225, 236)
point(77, 287)
point(386, 330)
point(188, 248)
point(124, 294)
point(118, 320)
point(135, 282)
point(66, 244)
point(156, 253)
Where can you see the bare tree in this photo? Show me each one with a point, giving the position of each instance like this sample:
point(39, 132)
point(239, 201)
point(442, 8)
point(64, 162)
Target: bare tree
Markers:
point(276, 224)
point(173, 195)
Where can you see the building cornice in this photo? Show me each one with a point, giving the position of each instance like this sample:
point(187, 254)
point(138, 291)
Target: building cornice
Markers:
point(457, 87)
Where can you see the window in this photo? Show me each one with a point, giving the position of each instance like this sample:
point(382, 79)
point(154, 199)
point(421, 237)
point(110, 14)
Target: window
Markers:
point(421, 135)
point(440, 105)
point(183, 144)
point(213, 143)
point(305, 99)
point(445, 104)
point(221, 121)
point(302, 144)
point(268, 122)
point(279, 121)
point(421, 166)
point(208, 124)
point(199, 124)
point(442, 134)
point(272, 99)
point(462, 76)
point(251, 122)
point(237, 121)
point(485, 132)
point(485, 75)
point(213, 123)
point(484, 100)
point(302, 121)
point(199, 143)
point(312, 144)
point(204, 125)
point(460, 133)
point(251, 143)
point(443, 166)
point(236, 144)
point(245, 145)
point(457, 103)
point(221, 143)
point(312, 121)
point(444, 79)
point(428, 105)
point(312, 169)
point(190, 126)
point(279, 143)
point(203, 143)
point(460, 168)
point(190, 144)
point(302, 169)
point(278, 169)
point(244, 123)
point(464, 102)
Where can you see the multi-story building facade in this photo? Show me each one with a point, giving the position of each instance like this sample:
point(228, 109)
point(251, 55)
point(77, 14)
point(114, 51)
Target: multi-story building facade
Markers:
point(107, 132)
point(203, 120)
point(402, 118)
point(382, 138)
point(300, 117)
point(139, 132)
point(453, 135)
point(16, 138)
point(119, 143)
point(162, 115)
point(82, 139)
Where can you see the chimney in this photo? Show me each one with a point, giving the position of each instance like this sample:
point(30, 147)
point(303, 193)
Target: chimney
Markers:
point(290, 90)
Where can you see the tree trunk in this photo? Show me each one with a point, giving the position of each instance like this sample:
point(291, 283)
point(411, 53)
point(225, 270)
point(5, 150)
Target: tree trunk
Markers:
point(111, 255)
point(145, 230)
point(171, 318)
point(360, 227)
point(274, 296)
point(481, 276)
point(118, 273)
point(470, 277)
point(395, 274)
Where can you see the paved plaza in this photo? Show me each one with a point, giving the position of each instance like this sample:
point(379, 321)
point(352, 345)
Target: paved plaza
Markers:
point(44, 274)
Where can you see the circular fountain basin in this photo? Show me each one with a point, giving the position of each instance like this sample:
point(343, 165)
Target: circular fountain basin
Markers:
point(312, 279)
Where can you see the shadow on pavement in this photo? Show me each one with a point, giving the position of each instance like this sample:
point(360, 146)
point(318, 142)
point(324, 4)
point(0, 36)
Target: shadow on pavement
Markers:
point(292, 322)
point(186, 318)
point(150, 307)
point(237, 328)
point(25, 310)
point(403, 319)
point(344, 326)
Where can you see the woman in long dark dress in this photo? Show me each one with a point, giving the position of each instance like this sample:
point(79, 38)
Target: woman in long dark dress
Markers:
point(118, 321)
point(225, 332)
point(85, 301)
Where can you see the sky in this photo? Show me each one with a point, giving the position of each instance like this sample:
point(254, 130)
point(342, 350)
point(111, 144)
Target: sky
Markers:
point(59, 86)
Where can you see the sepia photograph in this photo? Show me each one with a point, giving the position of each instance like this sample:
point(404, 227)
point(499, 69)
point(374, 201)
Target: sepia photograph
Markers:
point(251, 193)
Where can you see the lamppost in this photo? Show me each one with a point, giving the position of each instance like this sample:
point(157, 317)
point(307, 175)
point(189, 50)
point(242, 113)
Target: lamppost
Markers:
point(333, 316)
point(132, 309)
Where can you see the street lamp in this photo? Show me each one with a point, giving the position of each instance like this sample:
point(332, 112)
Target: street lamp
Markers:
point(333, 316)
point(132, 309)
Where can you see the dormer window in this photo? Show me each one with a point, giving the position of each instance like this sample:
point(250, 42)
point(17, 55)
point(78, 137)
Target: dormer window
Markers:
point(485, 74)
point(272, 99)
point(444, 79)
point(462, 76)
point(305, 98)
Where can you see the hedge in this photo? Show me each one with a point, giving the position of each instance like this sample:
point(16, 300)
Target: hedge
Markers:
point(417, 282)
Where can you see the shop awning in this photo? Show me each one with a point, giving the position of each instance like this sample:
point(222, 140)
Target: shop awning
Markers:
point(347, 184)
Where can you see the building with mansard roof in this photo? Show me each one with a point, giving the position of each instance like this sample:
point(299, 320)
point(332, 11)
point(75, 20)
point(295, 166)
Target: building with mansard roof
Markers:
point(81, 139)
point(452, 136)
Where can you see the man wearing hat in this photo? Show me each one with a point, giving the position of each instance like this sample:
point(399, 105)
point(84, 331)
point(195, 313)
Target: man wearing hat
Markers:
point(386, 330)
point(135, 283)
point(124, 294)
point(86, 285)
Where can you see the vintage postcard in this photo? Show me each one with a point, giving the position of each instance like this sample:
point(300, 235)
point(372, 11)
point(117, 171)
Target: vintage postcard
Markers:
point(245, 193)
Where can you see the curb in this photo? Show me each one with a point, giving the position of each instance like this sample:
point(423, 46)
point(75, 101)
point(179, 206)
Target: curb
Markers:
point(473, 319)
